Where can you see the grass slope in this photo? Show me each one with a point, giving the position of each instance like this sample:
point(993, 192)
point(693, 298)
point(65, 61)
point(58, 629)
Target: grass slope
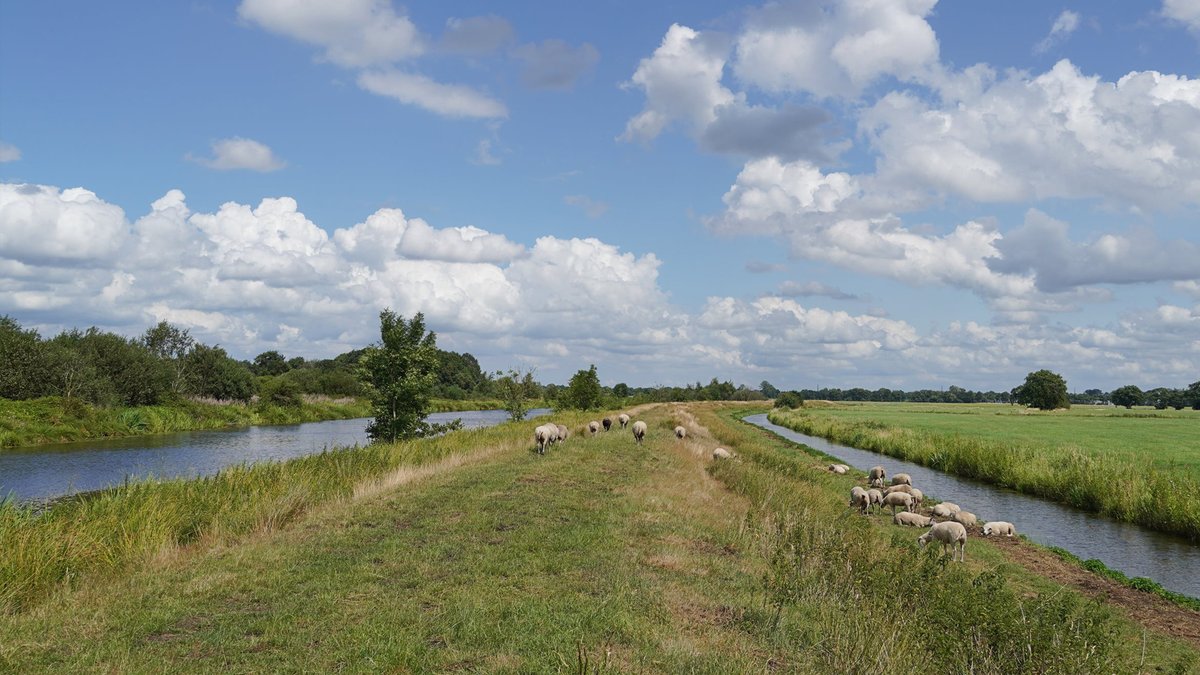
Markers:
point(473, 553)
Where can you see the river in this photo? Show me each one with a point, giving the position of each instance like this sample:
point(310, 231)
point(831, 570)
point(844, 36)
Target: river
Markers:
point(44, 472)
point(1172, 561)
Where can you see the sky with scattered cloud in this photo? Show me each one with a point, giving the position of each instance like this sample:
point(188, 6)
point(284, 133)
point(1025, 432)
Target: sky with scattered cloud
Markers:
point(879, 193)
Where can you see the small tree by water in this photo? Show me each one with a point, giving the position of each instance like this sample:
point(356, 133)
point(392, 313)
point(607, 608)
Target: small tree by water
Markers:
point(516, 388)
point(583, 391)
point(401, 371)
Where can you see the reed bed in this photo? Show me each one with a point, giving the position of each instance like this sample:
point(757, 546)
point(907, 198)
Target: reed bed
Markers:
point(1119, 487)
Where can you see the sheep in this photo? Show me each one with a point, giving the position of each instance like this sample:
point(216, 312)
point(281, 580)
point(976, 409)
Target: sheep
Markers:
point(946, 509)
point(680, 433)
point(912, 519)
point(593, 427)
point(876, 498)
point(899, 488)
point(966, 518)
point(950, 534)
point(623, 419)
point(999, 527)
point(876, 483)
point(545, 435)
point(721, 453)
point(639, 431)
point(839, 468)
point(607, 422)
point(859, 499)
point(902, 479)
point(918, 496)
point(877, 472)
point(898, 499)
point(562, 432)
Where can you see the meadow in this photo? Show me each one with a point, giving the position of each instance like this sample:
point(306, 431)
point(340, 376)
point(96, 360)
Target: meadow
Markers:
point(1140, 466)
point(472, 552)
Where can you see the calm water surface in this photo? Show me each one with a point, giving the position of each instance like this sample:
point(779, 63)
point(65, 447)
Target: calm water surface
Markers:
point(1171, 561)
point(48, 471)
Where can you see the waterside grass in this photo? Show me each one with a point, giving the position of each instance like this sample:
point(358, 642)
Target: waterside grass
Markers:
point(1114, 485)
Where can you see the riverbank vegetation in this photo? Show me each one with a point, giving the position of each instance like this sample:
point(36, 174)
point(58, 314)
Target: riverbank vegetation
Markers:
point(600, 555)
point(1128, 467)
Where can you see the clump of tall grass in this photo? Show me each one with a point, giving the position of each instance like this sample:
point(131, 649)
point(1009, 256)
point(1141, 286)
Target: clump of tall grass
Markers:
point(853, 601)
point(82, 536)
point(1114, 486)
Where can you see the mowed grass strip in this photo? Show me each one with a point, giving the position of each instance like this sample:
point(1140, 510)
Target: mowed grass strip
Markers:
point(600, 552)
point(1118, 485)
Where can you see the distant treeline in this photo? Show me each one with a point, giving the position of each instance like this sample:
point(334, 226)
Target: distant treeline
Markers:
point(1127, 396)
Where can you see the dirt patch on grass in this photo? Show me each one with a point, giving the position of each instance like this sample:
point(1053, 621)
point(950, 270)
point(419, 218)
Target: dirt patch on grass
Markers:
point(1151, 611)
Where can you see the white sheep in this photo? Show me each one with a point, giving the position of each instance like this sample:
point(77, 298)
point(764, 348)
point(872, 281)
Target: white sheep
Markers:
point(623, 419)
point(606, 423)
point(876, 498)
point(721, 453)
point(899, 488)
point(999, 527)
point(680, 433)
point(859, 499)
point(912, 519)
point(898, 499)
point(876, 472)
point(839, 468)
point(593, 427)
point(902, 479)
point(876, 483)
point(639, 431)
point(965, 518)
point(562, 432)
point(950, 534)
point(918, 496)
point(545, 435)
point(946, 509)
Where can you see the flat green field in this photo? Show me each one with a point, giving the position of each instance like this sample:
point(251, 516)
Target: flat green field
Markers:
point(1167, 438)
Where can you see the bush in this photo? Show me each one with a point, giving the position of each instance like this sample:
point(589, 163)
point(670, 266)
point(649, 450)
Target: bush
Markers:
point(789, 399)
point(282, 393)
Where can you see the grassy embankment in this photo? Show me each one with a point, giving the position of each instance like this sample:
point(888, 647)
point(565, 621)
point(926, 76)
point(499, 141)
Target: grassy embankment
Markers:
point(471, 552)
point(1142, 468)
point(56, 420)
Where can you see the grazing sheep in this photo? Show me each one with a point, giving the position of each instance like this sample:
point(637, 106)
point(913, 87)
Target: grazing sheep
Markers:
point(545, 435)
point(623, 419)
point(877, 472)
point(562, 432)
point(639, 431)
point(859, 499)
point(899, 488)
point(607, 422)
point(945, 510)
point(839, 468)
point(902, 479)
point(999, 527)
point(876, 498)
point(918, 496)
point(876, 483)
point(721, 453)
point(950, 534)
point(593, 427)
point(912, 519)
point(898, 499)
point(680, 433)
point(965, 518)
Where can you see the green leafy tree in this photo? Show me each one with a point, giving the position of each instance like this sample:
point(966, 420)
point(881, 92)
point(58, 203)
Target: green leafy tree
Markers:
point(281, 392)
point(582, 392)
point(171, 344)
point(621, 390)
point(1127, 396)
point(24, 371)
point(769, 390)
point(789, 399)
point(401, 372)
point(212, 373)
point(1193, 393)
point(516, 388)
point(270, 363)
point(1045, 390)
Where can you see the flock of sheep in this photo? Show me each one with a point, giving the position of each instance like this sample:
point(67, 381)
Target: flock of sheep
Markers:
point(546, 435)
point(901, 494)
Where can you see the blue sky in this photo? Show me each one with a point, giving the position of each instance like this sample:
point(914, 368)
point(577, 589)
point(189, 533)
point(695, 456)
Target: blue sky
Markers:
point(900, 193)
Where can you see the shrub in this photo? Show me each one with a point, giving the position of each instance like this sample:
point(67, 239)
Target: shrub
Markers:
point(789, 399)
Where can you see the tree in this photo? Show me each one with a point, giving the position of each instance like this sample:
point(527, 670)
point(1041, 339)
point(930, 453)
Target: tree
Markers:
point(171, 344)
point(789, 399)
point(769, 390)
point(1193, 392)
point(212, 373)
point(583, 391)
point(401, 371)
point(621, 390)
point(516, 388)
point(1127, 396)
point(1044, 389)
point(23, 374)
point(270, 363)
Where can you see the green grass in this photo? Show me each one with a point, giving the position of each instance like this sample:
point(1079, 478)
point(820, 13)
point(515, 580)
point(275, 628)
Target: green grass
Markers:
point(599, 556)
point(57, 420)
point(1116, 484)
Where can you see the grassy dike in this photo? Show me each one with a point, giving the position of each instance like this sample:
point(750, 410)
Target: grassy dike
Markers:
point(471, 552)
point(57, 420)
point(1116, 486)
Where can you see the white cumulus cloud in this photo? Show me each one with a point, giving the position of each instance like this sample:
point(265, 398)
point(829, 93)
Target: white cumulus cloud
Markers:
point(241, 153)
point(353, 33)
point(451, 100)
